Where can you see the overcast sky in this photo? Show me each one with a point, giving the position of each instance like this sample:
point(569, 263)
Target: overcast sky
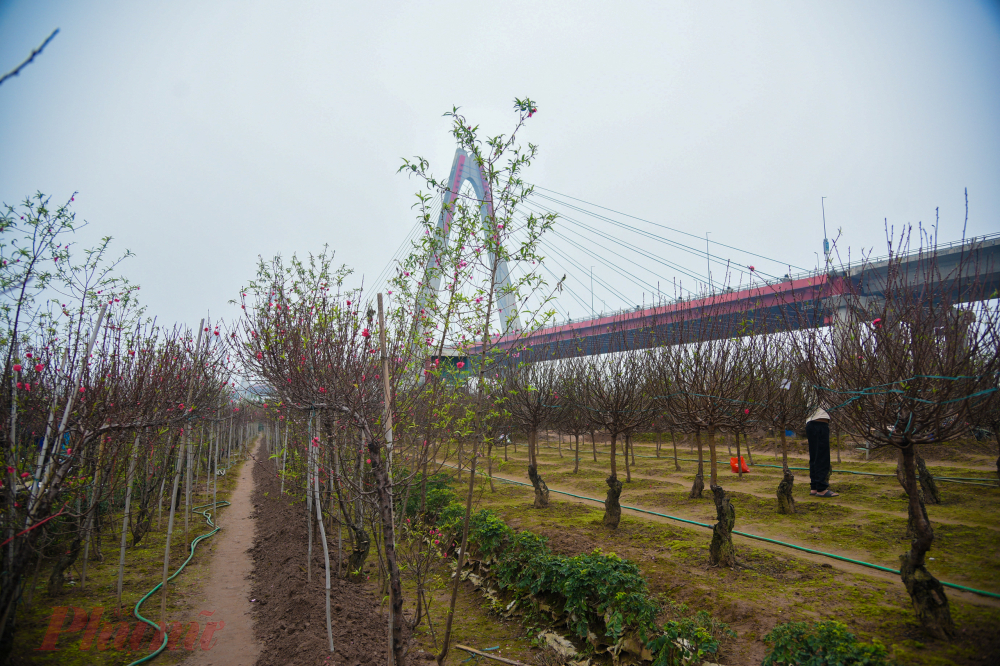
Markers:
point(203, 134)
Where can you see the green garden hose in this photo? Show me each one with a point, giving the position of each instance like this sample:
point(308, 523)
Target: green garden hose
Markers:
point(755, 536)
point(194, 543)
point(951, 479)
point(956, 479)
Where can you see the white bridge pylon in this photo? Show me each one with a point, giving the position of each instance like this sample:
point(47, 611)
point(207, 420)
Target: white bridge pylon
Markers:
point(465, 170)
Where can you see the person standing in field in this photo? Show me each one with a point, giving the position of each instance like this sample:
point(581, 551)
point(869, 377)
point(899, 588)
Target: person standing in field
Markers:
point(818, 435)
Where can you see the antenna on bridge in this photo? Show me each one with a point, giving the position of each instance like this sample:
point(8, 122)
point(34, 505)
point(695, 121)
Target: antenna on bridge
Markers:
point(826, 241)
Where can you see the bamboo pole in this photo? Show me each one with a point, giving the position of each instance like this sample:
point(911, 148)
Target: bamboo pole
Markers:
point(284, 458)
point(170, 533)
point(309, 499)
point(185, 440)
point(322, 533)
point(159, 503)
point(340, 523)
point(91, 510)
point(387, 421)
point(473, 651)
point(215, 486)
point(125, 518)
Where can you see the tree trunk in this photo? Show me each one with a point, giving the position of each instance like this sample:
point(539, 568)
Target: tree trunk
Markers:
point(359, 551)
point(911, 526)
point(713, 458)
point(746, 441)
point(614, 458)
point(786, 502)
point(628, 470)
point(739, 463)
point(673, 438)
point(926, 593)
point(57, 578)
point(699, 478)
point(461, 562)
point(576, 464)
point(996, 436)
point(927, 483)
point(721, 552)
point(384, 494)
point(489, 468)
point(593, 446)
point(612, 505)
point(541, 490)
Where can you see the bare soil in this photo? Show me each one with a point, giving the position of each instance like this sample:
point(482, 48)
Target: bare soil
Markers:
point(226, 595)
point(289, 612)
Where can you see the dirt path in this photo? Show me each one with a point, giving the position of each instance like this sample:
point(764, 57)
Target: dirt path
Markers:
point(227, 592)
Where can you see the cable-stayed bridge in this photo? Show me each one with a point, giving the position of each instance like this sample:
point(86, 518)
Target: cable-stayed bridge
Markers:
point(666, 284)
point(799, 301)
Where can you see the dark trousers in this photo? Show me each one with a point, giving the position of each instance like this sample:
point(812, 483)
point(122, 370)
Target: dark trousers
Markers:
point(818, 434)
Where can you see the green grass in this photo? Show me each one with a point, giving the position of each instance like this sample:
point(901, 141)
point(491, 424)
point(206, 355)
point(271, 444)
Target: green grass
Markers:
point(143, 570)
point(867, 521)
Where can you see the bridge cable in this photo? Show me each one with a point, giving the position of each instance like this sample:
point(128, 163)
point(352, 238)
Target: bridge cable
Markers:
point(663, 226)
point(600, 259)
point(680, 246)
point(638, 250)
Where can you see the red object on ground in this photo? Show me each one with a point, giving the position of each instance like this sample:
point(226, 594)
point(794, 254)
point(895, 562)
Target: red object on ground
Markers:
point(743, 464)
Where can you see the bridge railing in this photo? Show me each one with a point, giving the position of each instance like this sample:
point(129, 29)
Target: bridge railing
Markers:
point(760, 282)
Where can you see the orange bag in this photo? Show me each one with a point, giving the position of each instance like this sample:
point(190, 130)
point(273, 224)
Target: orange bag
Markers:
point(743, 464)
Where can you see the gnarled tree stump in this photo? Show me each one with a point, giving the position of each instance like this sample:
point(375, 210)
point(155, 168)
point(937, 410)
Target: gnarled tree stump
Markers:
point(541, 490)
point(612, 505)
point(927, 595)
point(722, 552)
point(786, 503)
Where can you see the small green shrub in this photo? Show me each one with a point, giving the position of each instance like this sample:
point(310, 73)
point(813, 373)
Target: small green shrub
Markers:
point(591, 587)
point(449, 519)
point(827, 643)
point(689, 640)
point(595, 590)
point(439, 495)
